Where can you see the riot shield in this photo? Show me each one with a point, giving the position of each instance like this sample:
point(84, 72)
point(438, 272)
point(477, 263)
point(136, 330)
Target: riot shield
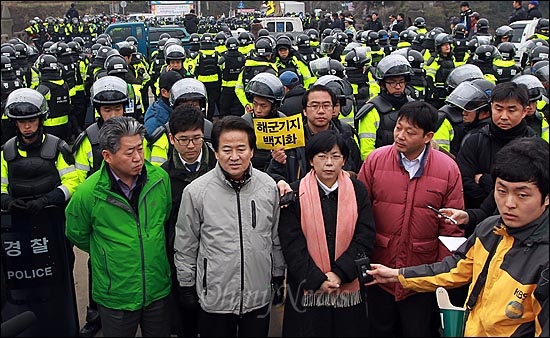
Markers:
point(38, 262)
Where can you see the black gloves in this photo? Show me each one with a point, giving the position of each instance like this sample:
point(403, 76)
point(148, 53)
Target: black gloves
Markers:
point(278, 287)
point(35, 206)
point(17, 205)
point(13, 204)
point(188, 297)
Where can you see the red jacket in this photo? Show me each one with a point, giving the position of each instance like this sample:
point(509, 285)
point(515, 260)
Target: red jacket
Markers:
point(406, 230)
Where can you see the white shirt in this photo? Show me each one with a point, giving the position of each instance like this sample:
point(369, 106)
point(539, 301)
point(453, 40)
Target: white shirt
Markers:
point(327, 189)
point(412, 166)
point(198, 160)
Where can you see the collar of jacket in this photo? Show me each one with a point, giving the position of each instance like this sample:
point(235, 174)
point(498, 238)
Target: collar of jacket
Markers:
point(205, 160)
point(534, 232)
point(422, 160)
point(237, 185)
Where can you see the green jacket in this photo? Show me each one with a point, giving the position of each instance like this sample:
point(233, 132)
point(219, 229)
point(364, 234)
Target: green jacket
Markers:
point(128, 257)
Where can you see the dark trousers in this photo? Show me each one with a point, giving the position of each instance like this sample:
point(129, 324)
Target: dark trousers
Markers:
point(91, 303)
point(229, 103)
point(184, 318)
point(412, 317)
point(250, 324)
point(213, 90)
point(153, 319)
point(80, 104)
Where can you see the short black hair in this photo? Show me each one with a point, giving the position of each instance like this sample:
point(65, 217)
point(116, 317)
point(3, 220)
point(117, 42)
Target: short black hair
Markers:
point(510, 90)
point(230, 123)
point(420, 114)
point(186, 117)
point(318, 88)
point(525, 159)
point(323, 142)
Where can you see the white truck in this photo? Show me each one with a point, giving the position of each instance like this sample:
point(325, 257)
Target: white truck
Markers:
point(293, 7)
point(283, 24)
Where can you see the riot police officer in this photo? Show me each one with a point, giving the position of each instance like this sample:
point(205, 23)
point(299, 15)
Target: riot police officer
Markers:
point(375, 121)
point(37, 167)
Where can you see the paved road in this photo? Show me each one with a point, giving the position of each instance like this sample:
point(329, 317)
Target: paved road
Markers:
point(81, 286)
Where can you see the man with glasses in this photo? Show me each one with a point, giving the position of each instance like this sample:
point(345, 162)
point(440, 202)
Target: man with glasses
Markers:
point(376, 119)
point(189, 158)
point(290, 165)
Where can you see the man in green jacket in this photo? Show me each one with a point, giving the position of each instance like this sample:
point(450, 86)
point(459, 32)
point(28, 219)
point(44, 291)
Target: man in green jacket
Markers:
point(117, 215)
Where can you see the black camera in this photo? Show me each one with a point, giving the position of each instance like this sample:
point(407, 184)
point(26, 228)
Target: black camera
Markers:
point(362, 264)
point(287, 198)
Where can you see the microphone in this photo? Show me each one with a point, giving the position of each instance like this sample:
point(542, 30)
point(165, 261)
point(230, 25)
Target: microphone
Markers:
point(16, 325)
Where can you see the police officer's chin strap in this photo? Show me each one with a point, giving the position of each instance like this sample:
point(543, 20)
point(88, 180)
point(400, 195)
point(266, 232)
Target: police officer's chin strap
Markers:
point(38, 134)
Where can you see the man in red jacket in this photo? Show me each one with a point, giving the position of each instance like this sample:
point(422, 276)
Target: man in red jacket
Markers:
point(402, 180)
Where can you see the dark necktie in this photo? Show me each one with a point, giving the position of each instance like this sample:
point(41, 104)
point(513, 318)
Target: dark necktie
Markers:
point(192, 167)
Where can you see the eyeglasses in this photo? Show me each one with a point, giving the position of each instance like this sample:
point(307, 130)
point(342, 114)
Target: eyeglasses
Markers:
point(395, 84)
point(316, 106)
point(325, 157)
point(184, 141)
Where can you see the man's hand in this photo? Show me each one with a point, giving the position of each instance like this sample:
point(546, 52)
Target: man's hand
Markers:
point(188, 297)
point(35, 206)
point(279, 155)
point(458, 215)
point(278, 288)
point(382, 274)
point(477, 177)
point(283, 189)
point(17, 205)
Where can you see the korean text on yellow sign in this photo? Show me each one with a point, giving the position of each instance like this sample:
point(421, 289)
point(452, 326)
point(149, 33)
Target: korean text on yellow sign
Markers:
point(282, 131)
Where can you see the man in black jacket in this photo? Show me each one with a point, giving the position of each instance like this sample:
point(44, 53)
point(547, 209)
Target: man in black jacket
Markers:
point(519, 12)
point(189, 158)
point(191, 22)
point(533, 11)
point(509, 102)
point(72, 12)
point(294, 90)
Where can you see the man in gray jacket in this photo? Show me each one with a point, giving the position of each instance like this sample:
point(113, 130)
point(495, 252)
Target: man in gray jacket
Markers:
point(227, 248)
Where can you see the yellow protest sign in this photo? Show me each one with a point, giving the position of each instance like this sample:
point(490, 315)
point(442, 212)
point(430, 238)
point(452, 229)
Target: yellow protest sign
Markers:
point(282, 131)
point(270, 8)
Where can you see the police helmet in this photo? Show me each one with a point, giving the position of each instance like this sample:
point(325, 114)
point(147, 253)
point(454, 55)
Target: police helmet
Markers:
point(463, 73)
point(115, 64)
point(471, 95)
point(539, 53)
point(442, 39)
point(48, 63)
point(26, 103)
point(232, 43)
point(267, 86)
point(264, 46)
point(326, 66)
point(174, 52)
point(482, 25)
point(357, 57)
point(393, 65)
point(419, 22)
point(188, 89)
point(109, 90)
point(507, 51)
point(328, 45)
point(533, 84)
point(263, 32)
point(540, 70)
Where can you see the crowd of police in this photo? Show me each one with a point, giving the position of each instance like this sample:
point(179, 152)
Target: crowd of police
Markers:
point(57, 79)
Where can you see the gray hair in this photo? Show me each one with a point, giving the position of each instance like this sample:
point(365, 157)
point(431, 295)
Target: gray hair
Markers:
point(115, 128)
